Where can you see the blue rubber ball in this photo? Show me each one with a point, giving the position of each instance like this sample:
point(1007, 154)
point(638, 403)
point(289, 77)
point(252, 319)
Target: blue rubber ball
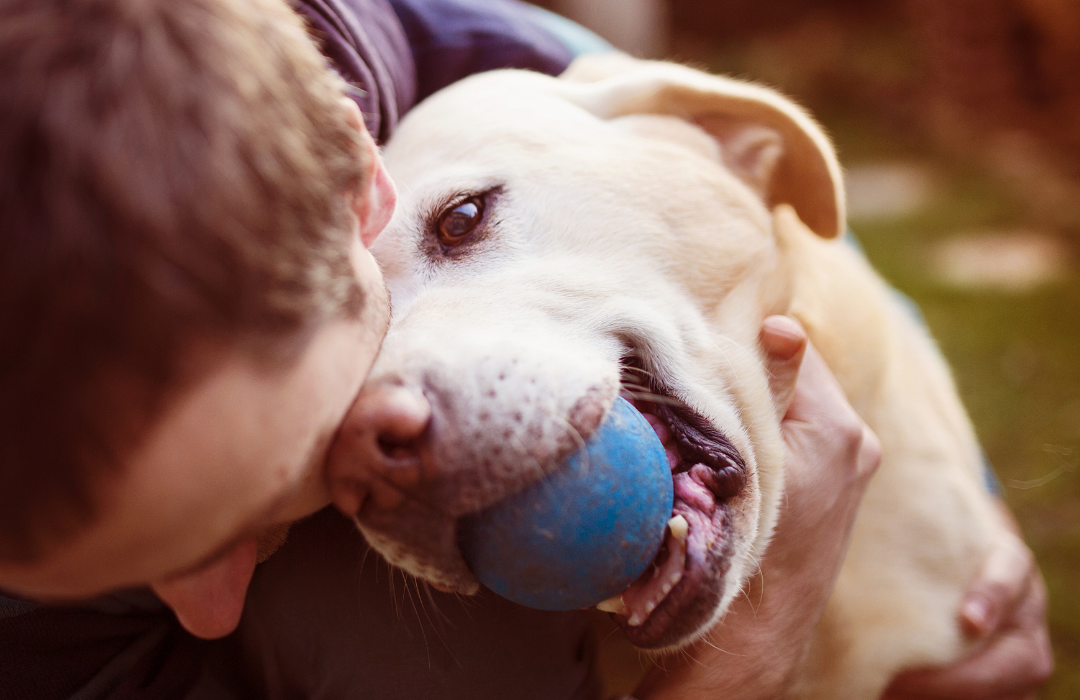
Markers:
point(584, 533)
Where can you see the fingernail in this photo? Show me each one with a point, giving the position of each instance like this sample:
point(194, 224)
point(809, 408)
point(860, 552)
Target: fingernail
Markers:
point(976, 612)
point(782, 337)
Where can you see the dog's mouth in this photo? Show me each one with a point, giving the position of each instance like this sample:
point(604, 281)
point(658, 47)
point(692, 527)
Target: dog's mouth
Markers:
point(679, 593)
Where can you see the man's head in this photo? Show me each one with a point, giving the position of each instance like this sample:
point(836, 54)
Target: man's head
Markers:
point(187, 306)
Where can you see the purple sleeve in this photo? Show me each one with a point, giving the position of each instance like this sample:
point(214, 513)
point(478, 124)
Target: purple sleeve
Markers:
point(366, 44)
point(396, 52)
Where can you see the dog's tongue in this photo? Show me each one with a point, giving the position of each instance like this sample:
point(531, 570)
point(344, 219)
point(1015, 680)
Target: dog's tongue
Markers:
point(666, 438)
point(691, 533)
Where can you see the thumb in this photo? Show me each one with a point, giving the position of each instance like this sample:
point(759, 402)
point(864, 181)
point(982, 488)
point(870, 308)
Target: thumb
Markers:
point(1002, 582)
point(783, 341)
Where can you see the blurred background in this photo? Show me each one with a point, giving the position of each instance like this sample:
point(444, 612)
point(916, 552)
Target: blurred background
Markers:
point(958, 123)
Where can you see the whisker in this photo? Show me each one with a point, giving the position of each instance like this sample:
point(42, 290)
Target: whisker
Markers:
point(654, 398)
point(722, 651)
point(639, 370)
point(633, 385)
point(435, 627)
point(576, 434)
point(434, 604)
point(419, 622)
point(530, 460)
point(738, 346)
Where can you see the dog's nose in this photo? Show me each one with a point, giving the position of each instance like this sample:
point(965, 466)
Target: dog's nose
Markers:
point(376, 458)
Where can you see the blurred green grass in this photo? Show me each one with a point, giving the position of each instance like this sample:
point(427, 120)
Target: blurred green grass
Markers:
point(1015, 357)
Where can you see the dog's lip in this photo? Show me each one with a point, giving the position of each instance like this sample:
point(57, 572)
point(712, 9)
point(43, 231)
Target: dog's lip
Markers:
point(681, 613)
point(706, 472)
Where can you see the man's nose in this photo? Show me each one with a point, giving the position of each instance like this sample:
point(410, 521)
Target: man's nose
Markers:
point(377, 457)
point(208, 602)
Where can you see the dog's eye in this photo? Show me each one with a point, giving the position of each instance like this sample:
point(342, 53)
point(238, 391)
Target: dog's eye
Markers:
point(456, 224)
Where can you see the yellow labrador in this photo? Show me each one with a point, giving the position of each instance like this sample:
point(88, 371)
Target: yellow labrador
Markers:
point(626, 228)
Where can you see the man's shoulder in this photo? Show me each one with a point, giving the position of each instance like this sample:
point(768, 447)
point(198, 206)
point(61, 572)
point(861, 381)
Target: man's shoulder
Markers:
point(397, 52)
point(451, 39)
point(91, 651)
point(12, 607)
point(366, 43)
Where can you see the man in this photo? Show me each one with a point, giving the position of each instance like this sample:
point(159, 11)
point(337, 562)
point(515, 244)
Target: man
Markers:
point(188, 308)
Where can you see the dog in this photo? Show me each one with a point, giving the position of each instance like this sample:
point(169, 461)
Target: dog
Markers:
point(626, 228)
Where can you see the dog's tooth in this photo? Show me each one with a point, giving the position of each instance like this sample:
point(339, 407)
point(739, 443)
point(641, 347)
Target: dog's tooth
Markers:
point(675, 578)
point(666, 588)
point(649, 607)
point(634, 620)
point(679, 528)
point(614, 604)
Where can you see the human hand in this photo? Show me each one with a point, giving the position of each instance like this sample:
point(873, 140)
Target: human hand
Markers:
point(831, 455)
point(1006, 608)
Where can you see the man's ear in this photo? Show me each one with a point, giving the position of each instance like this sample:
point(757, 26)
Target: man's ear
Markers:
point(765, 139)
point(374, 199)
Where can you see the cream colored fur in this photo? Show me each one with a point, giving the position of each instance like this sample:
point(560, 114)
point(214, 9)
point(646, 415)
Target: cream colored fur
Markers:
point(650, 200)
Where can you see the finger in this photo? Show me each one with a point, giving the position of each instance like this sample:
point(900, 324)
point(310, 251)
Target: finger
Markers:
point(1014, 663)
point(1007, 517)
point(1001, 584)
point(892, 694)
point(1013, 666)
point(784, 343)
point(818, 397)
point(869, 453)
point(819, 415)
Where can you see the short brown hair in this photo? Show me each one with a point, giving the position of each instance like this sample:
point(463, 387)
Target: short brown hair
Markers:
point(169, 169)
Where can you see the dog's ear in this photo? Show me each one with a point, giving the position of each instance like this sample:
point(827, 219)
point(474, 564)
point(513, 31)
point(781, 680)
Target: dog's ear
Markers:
point(765, 139)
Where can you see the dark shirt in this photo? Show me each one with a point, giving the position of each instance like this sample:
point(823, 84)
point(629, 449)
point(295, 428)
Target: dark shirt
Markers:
point(327, 618)
point(128, 646)
point(125, 646)
point(397, 58)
